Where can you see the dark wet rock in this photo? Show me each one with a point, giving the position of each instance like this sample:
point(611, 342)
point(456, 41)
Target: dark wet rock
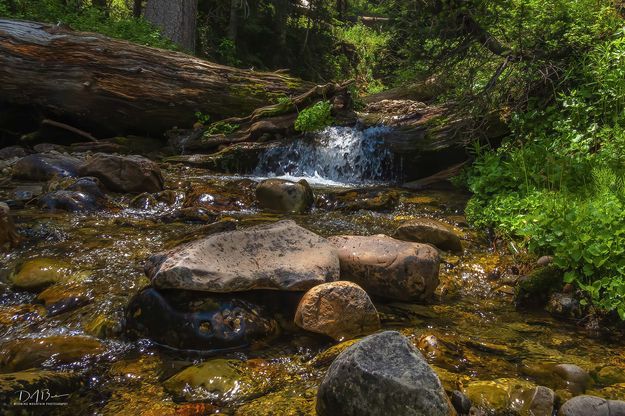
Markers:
point(282, 256)
point(430, 231)
point(132, 174)
point(58, 383)
point(144, 201)
point(71, 201)
point(44, 166)
point(383, 374)
point(284, 196)
point(511, 396)
point(38, 273)
point(341, 310)
point(534, 289)
point(8, 234)
point(211, 323)
point(387, 267)
point(190, 215)
point(21, 354)
point(62, 298)
point(170, 197)
point(360, 199)
point(218, 199)
point(11, 152)
point(564, 305)
point(592, 406)
point(460, 402)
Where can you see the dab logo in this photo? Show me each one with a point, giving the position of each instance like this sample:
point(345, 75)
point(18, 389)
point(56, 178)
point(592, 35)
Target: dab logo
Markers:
point(40, 397)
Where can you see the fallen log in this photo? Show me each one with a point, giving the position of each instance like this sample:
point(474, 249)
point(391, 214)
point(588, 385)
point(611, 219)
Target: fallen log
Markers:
point(112, 87)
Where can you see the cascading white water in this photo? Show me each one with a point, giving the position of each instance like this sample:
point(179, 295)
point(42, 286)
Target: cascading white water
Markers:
point(337, 154)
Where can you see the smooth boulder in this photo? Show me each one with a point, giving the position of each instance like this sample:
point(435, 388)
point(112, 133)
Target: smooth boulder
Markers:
point(44, 166)
point(284, 196)
point(341, 310)
point(279, 256)
point(430, 231)
point(387, 267)
point(383, 374)
point(132, 174)
point(592, 406)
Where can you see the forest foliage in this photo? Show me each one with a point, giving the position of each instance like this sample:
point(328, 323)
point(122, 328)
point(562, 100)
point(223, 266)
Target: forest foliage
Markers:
point(552, 70)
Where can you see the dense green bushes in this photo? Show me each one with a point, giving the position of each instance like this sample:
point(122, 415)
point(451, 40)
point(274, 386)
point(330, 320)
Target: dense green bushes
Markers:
point(558, 183)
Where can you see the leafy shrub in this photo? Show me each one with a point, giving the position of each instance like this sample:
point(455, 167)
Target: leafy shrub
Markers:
point(314, 118)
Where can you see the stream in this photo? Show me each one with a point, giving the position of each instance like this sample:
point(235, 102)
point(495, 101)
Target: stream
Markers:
point(471, 333)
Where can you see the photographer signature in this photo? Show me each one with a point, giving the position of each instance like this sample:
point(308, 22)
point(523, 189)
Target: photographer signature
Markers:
point(40, 397)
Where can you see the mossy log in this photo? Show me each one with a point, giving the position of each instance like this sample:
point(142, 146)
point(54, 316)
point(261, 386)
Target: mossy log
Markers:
point(272, 122)
point(111, 87)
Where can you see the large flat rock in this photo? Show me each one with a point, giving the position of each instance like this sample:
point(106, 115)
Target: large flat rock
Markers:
point(279, 256)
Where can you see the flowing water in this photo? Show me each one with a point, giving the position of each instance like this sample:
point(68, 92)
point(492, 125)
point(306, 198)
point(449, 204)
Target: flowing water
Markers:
point(479, 335)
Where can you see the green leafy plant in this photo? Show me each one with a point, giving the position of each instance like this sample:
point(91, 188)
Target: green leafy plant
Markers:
point(221, 127)
point(202, 118)
point(314, 118)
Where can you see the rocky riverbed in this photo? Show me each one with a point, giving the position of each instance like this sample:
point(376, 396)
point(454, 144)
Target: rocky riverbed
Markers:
point(130, 286)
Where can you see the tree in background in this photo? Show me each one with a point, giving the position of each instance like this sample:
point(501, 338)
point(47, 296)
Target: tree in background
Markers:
point(176, 19)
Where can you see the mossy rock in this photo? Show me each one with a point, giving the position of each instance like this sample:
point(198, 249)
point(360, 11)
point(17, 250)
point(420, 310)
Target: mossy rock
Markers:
point(535, 289)
point(218, 380)
point(280, 403)
point(38, 273)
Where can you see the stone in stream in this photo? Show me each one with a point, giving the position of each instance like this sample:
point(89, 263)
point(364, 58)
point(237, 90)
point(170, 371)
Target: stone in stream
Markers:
point(8, 234)
point(73, 195)
point(284, 196)
point(187, 321)
point(383, 374)
point(132, 174)
point(25, 353)
point(592, 406)
point(511, 396)
point(430, 231)
point(38, 273)
point(279, 256)
point(44, 166)
point(341, 310)
point(11, 152)
point(387, 267)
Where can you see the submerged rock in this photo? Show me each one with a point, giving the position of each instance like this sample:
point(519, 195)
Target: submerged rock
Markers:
point(592, 406)
point(218, 380)
point(511, 396)
point(564, 305)
point(133, 174)
point(41, 272)
point(70, 201)
point(212, 323)
point(11, 152)
point(21, 354)
point(341, 310)
point(282, 256)
point(284, 196)
point(387, 267)
point(430, 231)
point(63, 298)
point(383, 374)
point(44, 166)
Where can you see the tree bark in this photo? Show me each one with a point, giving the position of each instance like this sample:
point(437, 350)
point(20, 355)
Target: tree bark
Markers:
point(106, 86)
point(177, 20)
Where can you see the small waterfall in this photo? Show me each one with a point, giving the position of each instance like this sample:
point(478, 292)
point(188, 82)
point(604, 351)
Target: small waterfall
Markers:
point(337, 154)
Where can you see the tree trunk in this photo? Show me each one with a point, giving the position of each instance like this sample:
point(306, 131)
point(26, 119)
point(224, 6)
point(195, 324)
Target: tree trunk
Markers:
point(137, 7)
point(176, 19)
point(233, 24)
point(106, 86)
